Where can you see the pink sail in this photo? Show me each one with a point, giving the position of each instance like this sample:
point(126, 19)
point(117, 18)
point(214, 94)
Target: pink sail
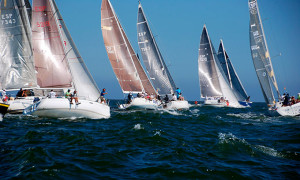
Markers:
point(124, 61)
point(50, 61)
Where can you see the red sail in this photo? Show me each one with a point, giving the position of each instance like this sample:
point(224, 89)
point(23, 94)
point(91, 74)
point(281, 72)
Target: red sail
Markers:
point(126, 66)
point(48, 52)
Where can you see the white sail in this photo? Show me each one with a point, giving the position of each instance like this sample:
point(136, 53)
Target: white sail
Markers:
point(81, 77)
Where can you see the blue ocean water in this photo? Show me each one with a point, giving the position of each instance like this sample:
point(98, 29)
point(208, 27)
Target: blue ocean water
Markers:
point(202, 143)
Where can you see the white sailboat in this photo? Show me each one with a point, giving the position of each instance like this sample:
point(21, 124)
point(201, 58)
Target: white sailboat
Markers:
point(263, 65)
point(215, 88)
point(16, 60)
point(125, 63)
point(232, 77)
point(154, 62)
point(59, 66)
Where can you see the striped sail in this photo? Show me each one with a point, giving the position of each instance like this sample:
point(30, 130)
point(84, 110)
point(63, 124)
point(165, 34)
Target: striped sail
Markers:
point(16, 60)
point(260, 55)
point(124, 61)
point(231, 74)
point(156, 67)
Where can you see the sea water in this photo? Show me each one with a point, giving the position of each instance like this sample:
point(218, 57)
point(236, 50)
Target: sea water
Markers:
point(201, 143)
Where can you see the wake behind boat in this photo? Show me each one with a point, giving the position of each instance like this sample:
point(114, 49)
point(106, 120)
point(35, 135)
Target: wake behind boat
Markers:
point(263, 65)
point(59, 66)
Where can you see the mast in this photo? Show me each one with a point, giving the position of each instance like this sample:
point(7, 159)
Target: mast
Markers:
point(153, 60)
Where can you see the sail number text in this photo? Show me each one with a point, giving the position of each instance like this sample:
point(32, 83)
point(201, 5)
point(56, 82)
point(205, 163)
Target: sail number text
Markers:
point(40, 8)
point(7, 19)
point(142, 34)
point(43, 24)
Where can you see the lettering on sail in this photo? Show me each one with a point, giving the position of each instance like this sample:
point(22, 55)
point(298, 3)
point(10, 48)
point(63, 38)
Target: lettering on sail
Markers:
point(253, 7)
point(142, 34)
point(255, 47)
point(145, 49)
point(6, 36)
point(202, 58)
point(7, 19)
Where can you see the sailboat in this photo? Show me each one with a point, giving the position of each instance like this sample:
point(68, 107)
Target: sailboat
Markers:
point(16, 60)
point(125, 63)
point(154, 62)
point(263, 65)
point(214, 86)
point(232, 77)
point(60, 67)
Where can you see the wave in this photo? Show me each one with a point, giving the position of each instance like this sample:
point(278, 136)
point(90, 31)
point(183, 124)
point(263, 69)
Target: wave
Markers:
point(138, 127)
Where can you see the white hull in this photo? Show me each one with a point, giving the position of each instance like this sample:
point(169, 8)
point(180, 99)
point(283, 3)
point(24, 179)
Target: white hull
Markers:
point(178, 105)
point(293, 110)
point(141, 103)
point(217, 103)
point(18, 105)
point(61, 108)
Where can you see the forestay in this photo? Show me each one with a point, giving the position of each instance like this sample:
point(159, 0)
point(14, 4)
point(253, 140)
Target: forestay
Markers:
point(153, 60)
point(16, 60)
point(231, 74)
point(126, 66)
point(260, 55)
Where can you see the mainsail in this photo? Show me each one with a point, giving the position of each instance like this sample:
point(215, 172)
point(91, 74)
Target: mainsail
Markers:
point(208, 76)
point(231, 74)
point(124, 61)
point(58, 62)
point(156, 67)
point(16, 60)
point(48, 51)
point(260, 55)
point(82, 80)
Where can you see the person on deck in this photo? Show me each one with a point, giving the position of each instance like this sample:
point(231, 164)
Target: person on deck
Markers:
point(52, 94)
point(102, 95)
point(75, 96)
point(158, 97)
point(68, 95)
point(298, 98)
point(174, 98)
point(178, 91)
point(20, 93)
point(166, 99)
point(286, 100)
point(129, 98)
point(4, 97)
point(248, 99)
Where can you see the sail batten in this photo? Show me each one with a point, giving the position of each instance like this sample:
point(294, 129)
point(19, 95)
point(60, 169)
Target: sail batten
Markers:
point(153, 60)
point(260, 54)
point(127, 68)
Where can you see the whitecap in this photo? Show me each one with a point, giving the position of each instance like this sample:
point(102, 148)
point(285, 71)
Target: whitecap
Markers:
point(138, 127)
point(1, 119)
point(269, 151)
point(157, 133)
point(228, 137)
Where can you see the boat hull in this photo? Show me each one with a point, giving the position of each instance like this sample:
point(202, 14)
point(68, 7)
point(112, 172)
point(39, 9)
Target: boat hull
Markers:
point(17, 106)
point(61, 108)
point(245, 103)
point(3, 109)
point(141, 103)
point(214, 103)
point(293, 110)
point(178, 105)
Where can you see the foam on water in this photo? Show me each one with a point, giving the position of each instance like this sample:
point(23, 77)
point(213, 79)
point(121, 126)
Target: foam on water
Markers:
point(1, 119)
point(269, 151)
point(138, 127)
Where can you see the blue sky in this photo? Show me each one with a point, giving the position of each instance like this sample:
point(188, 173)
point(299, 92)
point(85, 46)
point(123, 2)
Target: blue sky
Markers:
point(177, 26)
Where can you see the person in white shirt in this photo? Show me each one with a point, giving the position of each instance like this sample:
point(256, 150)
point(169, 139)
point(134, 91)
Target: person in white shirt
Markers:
point(174, 98)
point(52, 94)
